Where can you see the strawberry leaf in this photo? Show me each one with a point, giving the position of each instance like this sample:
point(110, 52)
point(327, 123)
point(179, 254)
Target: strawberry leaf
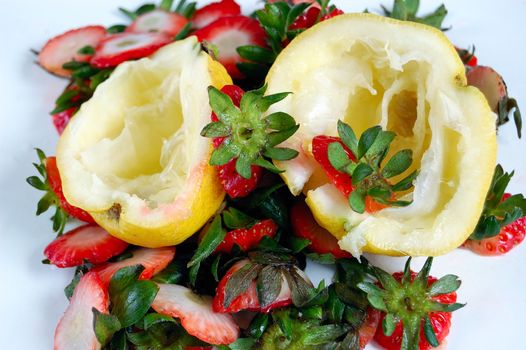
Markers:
point(268, 285)
point(240, 281)
point(398, 163)
point(429, 332)
point(105, 326)
point(216, 129)
point(280, 153)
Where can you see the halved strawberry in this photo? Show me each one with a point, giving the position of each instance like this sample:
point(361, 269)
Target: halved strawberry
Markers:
point(64, 48)
point(75, 328)
point(229, 33)
point(158, 21)
point(121, 47)
point(196, 314)
point(248, 238)
point(212, 12)
point(154, 260)
point(89, 243)
point(487, 80)
point(304, 226)
point(248, 300)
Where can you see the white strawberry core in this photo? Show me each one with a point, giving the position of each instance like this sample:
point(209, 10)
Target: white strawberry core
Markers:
point(228, 41)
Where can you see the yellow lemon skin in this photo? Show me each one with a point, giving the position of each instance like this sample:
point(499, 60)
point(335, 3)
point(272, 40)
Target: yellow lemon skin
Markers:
point(129, 198)
point(370, 70)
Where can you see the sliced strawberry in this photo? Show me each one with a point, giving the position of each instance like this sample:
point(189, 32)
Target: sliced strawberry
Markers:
point(487, 80)
point(212, 12)
point(509, 237)
point(154, 260)
point(249, 299)
point(369, 326)
point(89, 243)
point(227, 34)
point(118, 48)
point(333, 13)
point(55, 183)
point(64, 48)
point(320, 149)
point(248, 238)
point(61, 119)
point(304, 226)
point(158, 21)
point(196, 314)
point(75, 328)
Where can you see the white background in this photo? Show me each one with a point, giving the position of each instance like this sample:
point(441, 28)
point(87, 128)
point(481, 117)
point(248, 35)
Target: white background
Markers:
point(31, 297)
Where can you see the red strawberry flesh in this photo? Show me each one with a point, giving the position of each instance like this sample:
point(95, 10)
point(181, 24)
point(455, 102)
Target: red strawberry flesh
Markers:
point(64, 48)
point(196, 314)
point(248, 238)
point(75, 329)
point(122, 47)
point(304, 226)
point(227, 34)
point(89, 243)
point(154, 260)
point(212, 12)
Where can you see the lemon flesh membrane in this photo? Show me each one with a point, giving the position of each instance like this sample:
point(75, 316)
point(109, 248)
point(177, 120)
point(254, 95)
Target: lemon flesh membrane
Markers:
point(369, 70)
point(133, 157)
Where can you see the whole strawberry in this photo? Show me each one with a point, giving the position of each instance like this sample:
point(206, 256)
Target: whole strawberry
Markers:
point(244, 139)
point(51, 184)
point(416, 308)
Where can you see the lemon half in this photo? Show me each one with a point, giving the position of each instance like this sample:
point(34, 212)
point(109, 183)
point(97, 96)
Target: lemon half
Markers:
point(369, 70)
point(133, 157)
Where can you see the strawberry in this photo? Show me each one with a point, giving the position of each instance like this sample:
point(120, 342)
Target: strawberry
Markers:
point(227, 34)
point(158, 21)
point(491, 84)
point(248, 238)
point(75, 328)
point(359, 168)
point(333, 13)
point(509, 237)
point(248, 299)
point(416, 308)
point(51, 184)
point(307, 19)
point(369, 326)
point(154, 260)
point(195, 314)
point(243, 139)
point(304, 226)
point(65, 48)
point(502, 224)
point(88, 243)
point(212, 12)
point(61, 119)
point(320, 149)
point(234, 184)
point(121, 47)
point(467, 56)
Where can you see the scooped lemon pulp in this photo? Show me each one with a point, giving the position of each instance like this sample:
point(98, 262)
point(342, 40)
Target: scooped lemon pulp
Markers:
point(368, 70)
point(133, 156)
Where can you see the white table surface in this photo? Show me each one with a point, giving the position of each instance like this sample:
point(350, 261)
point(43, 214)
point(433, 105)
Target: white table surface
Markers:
point(31, 296)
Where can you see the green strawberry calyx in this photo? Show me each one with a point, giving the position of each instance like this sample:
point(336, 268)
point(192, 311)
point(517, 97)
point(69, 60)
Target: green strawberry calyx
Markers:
point(249, 137)
point(369, 173)
point(410, 301)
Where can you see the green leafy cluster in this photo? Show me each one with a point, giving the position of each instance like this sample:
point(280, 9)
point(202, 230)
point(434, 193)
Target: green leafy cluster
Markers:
point(498, 213)
point(406, 10)
point(410, 301)
point(249, 138)
point(276, 20)
point(369, 174)
point(49, 199)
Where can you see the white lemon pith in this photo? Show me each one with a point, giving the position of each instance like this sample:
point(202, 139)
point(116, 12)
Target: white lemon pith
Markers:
point(133, 157)
point(368, 70)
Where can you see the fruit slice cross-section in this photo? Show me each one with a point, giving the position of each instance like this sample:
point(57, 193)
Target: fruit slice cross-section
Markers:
point(369, 70)
point(133, 157)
